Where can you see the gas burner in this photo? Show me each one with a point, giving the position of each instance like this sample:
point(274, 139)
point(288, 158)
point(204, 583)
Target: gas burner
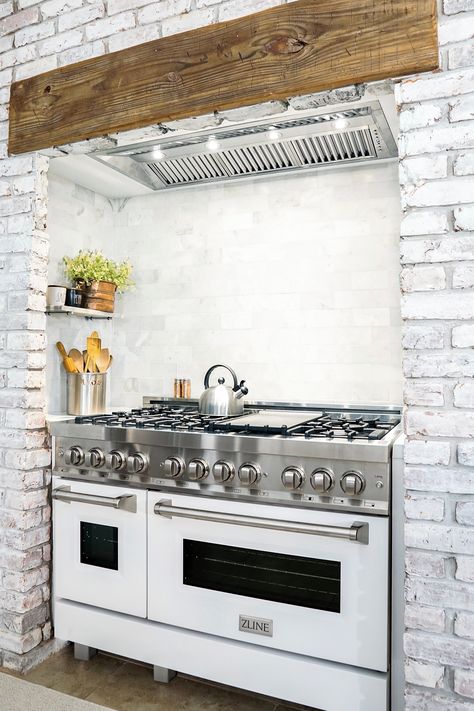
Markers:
point(346, 426)
point(261, 423)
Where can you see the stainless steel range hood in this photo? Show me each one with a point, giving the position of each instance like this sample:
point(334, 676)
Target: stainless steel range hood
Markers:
point(289, 143)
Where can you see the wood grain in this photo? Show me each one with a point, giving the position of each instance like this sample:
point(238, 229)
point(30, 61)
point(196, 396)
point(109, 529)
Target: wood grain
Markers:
point(304, 47)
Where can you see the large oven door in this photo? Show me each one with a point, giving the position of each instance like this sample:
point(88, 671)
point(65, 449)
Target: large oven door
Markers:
point(99, 545)
point(304, 581)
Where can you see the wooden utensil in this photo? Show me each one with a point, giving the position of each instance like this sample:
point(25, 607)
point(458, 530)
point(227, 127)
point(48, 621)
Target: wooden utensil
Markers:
point(93, 342)
point(102, 360)
point(67, 361)
point(77, 359)
point(61, 349)
point(91, 366)
point(93, 350)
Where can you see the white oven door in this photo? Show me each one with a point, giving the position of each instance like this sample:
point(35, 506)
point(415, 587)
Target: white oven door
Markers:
point(305, 581)
point(99, 545)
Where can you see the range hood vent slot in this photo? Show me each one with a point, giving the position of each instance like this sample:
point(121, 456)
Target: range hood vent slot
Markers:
point(261, 148)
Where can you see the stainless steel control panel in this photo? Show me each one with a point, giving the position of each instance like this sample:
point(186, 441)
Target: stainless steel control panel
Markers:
point(284, 478)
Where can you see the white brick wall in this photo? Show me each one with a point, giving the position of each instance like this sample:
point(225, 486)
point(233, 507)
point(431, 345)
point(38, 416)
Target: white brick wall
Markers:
point(437, 248)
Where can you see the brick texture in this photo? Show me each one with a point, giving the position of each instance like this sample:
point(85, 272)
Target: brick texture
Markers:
point(437, 252)
point(437, 283)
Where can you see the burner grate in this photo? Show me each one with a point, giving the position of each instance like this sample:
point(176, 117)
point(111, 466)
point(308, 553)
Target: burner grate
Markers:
point(328, 425)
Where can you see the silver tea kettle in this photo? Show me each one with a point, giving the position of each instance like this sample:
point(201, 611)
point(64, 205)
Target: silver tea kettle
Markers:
point(221, 399)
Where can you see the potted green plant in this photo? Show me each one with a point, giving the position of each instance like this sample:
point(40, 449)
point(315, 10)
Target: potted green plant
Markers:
point(99, 277)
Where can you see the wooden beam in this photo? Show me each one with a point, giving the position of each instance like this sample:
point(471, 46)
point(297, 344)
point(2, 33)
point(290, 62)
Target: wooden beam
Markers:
point(303, 47)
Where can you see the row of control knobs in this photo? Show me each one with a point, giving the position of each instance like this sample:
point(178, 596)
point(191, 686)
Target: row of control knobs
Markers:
point(322, 480)
point(222, 471)
point(293, 478)
point(95, 458)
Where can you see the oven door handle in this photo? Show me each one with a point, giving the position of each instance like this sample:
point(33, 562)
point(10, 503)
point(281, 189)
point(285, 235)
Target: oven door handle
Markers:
point(126, 502)
point(358, 532)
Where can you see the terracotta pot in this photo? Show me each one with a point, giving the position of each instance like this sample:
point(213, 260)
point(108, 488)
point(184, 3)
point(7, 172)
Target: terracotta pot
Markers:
point(100, 296)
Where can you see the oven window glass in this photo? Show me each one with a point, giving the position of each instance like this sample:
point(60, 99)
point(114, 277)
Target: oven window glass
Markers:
point(290, 579)
point(99, 545)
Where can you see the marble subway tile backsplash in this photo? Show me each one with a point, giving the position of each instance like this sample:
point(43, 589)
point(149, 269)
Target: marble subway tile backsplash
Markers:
point(293, 281)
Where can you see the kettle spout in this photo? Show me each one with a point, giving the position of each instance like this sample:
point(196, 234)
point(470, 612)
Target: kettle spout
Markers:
point(241, 390)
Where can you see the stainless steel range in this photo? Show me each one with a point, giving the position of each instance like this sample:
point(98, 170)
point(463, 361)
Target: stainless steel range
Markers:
point(251, 550)
point(317, 458)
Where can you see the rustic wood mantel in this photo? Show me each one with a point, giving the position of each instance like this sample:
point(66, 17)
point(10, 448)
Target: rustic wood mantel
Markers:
point(303, 47)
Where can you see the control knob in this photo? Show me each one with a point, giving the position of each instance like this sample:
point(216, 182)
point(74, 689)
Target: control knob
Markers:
point(322, 480)
point(74, 456)
point(173, 467)
point(197, 469)
point(95, 458)
point(137, 463)
point(249, 474)
point(352, 483)
point(293, 477)
point(223, 471)
point(115, 460)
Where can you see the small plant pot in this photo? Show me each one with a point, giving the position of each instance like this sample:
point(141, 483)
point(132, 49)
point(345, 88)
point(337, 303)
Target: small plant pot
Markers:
point(100, 296)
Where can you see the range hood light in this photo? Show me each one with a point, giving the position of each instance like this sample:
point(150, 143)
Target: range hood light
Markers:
point(213, 144)
point(273, 134)
point(297, 142)
point(157, 153)
point(341, 123)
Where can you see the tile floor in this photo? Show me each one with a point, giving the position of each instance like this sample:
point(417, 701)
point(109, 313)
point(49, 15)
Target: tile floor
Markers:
point(124, 686)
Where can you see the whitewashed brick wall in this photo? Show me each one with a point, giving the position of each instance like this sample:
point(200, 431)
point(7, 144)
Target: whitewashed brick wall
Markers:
point(437, 250)
point(437, 253)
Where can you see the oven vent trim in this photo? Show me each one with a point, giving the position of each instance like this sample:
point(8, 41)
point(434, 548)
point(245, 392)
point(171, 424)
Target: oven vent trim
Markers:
point(309, 142)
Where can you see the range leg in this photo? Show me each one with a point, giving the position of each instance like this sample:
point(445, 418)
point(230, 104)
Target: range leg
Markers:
point(163, 675)
point(83, 652)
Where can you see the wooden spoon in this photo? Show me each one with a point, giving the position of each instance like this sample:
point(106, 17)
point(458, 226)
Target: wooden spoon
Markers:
point(102, 360)
point(77, 359)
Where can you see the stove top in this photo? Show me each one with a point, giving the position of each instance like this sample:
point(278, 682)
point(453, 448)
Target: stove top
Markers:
point(279, 453)
point(322, 425)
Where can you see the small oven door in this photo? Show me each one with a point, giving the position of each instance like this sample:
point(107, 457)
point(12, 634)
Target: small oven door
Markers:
point(304, 581)
point(99, 545)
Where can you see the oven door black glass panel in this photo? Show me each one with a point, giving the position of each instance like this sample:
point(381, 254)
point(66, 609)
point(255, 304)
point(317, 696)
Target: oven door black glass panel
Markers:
point(289, 579)
point(99, 545)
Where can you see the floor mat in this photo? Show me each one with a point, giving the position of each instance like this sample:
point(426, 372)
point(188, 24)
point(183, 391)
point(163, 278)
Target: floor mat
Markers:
point(19, 695)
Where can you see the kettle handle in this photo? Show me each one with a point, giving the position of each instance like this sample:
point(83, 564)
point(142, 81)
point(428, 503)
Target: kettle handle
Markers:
point(207, 376)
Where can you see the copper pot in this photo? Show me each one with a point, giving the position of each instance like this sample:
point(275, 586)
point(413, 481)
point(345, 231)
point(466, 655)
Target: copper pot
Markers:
point(100, 296)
